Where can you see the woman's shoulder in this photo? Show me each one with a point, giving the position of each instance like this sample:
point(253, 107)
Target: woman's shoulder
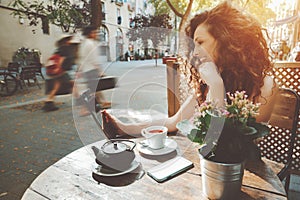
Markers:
point(270, 86)
point(269, 80)
point(267, 98)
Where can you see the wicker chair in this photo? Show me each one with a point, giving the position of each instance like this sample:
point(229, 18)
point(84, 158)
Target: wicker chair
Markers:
point(278, 146)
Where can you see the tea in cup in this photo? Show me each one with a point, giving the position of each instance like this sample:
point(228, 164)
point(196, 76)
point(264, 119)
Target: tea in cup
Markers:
point(156, 136)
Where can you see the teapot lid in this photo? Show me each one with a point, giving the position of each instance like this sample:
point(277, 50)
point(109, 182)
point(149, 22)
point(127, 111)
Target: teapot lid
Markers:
point(114, 147)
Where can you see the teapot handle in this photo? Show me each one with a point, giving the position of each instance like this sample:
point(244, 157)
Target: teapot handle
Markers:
point(124, 140)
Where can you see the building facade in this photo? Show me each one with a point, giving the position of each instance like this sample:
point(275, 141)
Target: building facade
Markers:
point(116, 16)
point(113, 43)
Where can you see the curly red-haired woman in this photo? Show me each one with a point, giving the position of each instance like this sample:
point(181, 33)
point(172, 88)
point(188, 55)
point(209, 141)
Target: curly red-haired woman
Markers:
point(236, 54)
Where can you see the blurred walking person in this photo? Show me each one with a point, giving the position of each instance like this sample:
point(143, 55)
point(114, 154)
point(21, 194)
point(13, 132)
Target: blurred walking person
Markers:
point(90, 67)
point(60, 82)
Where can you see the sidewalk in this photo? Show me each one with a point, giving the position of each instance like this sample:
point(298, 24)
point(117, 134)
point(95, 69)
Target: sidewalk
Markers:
point(32, 140)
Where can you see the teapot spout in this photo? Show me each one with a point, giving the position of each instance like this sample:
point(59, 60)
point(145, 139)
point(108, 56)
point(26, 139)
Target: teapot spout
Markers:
point(95, 150)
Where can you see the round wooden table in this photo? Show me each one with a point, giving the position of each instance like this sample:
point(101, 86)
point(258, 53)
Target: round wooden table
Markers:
point(71, 178)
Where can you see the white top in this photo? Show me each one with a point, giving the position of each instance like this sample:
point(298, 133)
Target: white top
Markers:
point(89, 55)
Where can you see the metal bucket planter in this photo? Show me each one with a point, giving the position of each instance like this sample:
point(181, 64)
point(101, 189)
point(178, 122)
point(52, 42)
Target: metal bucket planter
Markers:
point(221, 180)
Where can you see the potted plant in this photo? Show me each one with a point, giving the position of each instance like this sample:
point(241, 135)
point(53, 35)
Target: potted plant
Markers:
point(226, 137)
point(25, 56)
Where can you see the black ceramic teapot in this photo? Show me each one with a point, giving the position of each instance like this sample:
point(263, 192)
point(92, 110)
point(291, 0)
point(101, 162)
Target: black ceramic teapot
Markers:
point(115, 154)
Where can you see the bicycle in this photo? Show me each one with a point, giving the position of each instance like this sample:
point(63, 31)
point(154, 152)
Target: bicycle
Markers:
point(8, 83)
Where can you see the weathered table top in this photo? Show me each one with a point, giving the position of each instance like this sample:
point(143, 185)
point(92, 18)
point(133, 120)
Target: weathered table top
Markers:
point(71, 178)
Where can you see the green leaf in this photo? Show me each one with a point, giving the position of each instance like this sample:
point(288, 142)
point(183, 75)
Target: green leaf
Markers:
point(197, 136)
point(232, 109)
point(262, 130)
point(206, 121)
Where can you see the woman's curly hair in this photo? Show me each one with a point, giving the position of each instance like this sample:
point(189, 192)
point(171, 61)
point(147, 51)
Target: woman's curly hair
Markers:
point(242, 53)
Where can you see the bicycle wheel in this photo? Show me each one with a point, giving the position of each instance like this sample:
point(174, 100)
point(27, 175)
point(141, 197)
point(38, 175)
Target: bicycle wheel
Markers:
point(8, 84)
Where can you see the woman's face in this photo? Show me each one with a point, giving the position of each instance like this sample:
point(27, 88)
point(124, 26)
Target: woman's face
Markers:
point(204, 43)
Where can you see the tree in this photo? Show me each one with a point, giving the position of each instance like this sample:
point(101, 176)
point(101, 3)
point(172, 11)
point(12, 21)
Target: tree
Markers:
point(180, 8)
point(62, 13)
point(184, 8)
point(96, 13)
point(153, 28)
point(183, 15)
point(258, 9)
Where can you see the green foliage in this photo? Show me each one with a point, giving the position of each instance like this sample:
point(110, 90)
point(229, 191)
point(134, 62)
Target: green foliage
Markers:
point(262, 129)
point(196, 135)
point(258, 9)
point(203, 122)
point(149, 28)
point(234, 142)
point(160, 7)
point(26, 56)
point(62, 13)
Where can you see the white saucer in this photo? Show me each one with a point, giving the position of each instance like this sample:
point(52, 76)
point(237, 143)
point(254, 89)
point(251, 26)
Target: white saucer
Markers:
point(108, 172)
point(170, 146)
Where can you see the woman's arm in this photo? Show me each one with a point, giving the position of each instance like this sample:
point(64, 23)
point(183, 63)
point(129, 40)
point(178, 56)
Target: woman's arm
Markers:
point(112, 125)
point(267, 99)
point(208, 72)
point(186, 111)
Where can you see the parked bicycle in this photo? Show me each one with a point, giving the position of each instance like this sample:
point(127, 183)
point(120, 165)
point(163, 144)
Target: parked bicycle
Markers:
point(8, 83)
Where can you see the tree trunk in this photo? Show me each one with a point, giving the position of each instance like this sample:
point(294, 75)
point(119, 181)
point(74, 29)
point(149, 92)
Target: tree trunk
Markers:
point(182, 43)
point(183, 16)
point(96, 12)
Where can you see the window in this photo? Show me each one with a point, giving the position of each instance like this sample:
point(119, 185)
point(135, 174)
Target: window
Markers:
point(103, 35)
point(119, 36)
point(119, 18)
point(131, 23)
point(103, 10)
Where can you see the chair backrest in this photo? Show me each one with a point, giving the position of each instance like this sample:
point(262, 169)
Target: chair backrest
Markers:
point(13, 67)
point(278, 145)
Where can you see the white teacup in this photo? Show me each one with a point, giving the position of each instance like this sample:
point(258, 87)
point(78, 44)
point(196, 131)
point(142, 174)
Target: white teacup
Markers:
point(156, 136)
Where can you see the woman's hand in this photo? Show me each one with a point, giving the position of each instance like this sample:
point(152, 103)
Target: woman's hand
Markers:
point(206, 67)
point(110, 126)
point(209, 74)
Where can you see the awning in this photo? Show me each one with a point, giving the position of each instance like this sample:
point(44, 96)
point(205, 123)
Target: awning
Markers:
point(287, 20)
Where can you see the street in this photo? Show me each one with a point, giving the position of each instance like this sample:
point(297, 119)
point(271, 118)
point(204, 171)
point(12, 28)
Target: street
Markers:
point(31, 139)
